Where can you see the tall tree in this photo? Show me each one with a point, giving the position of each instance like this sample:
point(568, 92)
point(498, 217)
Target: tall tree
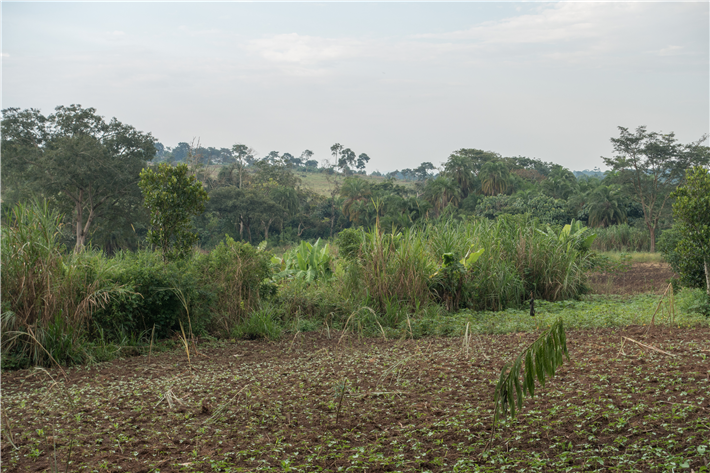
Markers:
point(654, 164)
point(362, 160)
point(89, 165)
point(440, 192)
point(242, 154)
point(561, 183)
point(354, 190)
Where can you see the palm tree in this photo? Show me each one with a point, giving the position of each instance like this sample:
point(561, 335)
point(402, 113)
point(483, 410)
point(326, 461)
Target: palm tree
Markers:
point(605, 207)
point(441, 192)
point(561, 183)
point(495, 178)
point(354, 190)
point(462, 170)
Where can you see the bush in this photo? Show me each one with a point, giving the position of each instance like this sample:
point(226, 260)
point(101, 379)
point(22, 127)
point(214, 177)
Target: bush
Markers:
point(238, 276)
point(349, 242)
point(159, 294)
point(694, 301)
point(688, 266)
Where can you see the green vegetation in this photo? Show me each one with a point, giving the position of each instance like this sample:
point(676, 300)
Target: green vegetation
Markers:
point(172, 197)
point(692, 212)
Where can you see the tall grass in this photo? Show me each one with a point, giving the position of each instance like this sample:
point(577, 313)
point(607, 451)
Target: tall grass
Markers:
point(621, 238)
point(520, 258)
point(48, 297)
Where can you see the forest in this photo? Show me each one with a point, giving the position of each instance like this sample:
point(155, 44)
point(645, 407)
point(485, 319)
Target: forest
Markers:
point(388, 303)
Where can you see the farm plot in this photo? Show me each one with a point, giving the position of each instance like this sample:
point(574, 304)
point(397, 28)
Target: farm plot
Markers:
point(640, 278)
point(332, 402)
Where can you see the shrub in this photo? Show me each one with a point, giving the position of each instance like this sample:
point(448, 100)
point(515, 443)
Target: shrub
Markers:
point(160, 294)
point(349, 242)
point(261, 323)
point(238, 275)
point(688, 266)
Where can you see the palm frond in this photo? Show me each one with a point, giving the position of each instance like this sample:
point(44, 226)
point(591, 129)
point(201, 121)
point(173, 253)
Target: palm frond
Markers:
point(538, 361)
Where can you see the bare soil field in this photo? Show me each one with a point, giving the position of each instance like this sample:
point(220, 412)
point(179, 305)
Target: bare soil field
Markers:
point(327, 401)
point(640, 278)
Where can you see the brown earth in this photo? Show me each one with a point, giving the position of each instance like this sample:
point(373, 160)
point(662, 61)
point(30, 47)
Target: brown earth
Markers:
point(406, 405)
point(640, 278)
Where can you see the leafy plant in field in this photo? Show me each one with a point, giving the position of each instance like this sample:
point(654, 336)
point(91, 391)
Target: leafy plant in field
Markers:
point(450, 280)
point(260, 324)
point(538, 361)
point(621, 237)
point(574, 235)
point(307, 262)
point(236, 273)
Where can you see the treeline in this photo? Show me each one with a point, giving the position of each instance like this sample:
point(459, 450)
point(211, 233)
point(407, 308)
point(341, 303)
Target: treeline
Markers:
point(88, 169)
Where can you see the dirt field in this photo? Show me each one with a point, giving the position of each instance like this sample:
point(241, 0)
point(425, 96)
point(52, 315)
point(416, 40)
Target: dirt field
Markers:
point(640, 278)
point(319, 403)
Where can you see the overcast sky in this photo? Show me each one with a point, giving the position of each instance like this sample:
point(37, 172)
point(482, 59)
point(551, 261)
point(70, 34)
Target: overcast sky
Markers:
point(403, 82)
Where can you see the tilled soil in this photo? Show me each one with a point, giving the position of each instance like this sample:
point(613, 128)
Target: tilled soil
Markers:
point(639, 279)
point(334, 402)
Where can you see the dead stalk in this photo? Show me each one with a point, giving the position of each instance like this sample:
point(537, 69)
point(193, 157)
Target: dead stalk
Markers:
point(645, 346)
point(150, 352)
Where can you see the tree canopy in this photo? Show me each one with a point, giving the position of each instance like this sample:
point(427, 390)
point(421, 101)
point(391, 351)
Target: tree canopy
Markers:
point(88, 166)
point(654, 164)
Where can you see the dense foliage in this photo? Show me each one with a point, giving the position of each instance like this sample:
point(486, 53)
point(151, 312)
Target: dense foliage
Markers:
point(482, 232)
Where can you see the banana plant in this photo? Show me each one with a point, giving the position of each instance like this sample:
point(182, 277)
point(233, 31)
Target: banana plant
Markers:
point(467, 261)
point(575, 234)
point(308, 262)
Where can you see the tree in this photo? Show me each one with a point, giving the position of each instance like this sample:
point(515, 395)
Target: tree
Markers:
point(654, 164)
point(335, 151)
point(561, 183)
point(347, 160)
point(242, 155)
point(605, 207)
point(692, 209)
point(362, 160)
point(90, 167)
point(464, 165)
point(354, 190)
point(172, 196)
point(440, 192)
point(495, 178)
point(422, 172)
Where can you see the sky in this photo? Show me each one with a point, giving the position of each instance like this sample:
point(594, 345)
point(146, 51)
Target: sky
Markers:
point(403, 82)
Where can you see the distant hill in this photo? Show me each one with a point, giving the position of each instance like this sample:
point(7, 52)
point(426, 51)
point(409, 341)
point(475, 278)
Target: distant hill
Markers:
point(596, 172)
point(317, 182)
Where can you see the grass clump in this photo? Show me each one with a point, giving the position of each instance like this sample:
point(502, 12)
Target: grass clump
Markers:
point(260, 324)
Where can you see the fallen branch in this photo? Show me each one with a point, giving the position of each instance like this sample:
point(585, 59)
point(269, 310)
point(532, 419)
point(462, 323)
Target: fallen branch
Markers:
point(647, 346)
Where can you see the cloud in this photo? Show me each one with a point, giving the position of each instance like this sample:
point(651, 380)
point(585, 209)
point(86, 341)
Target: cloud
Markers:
point(587, 35)
point(594, 34)
point(305, 55)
